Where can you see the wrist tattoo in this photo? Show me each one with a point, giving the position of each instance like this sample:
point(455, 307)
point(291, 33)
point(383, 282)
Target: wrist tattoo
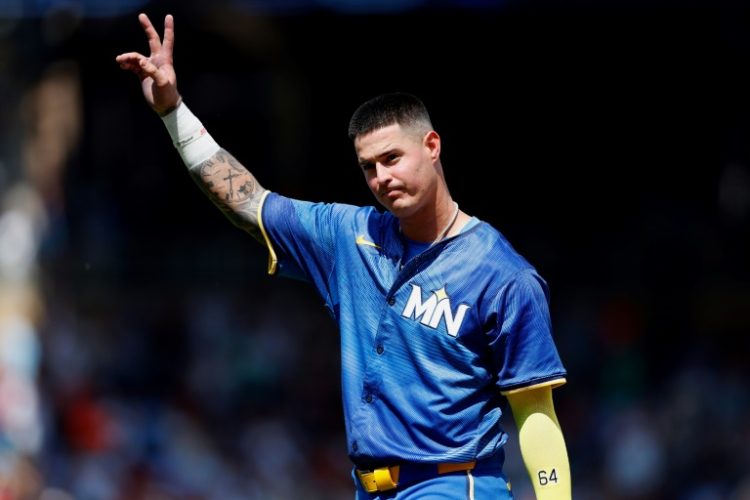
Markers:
point(226, 179)
point(232, 188)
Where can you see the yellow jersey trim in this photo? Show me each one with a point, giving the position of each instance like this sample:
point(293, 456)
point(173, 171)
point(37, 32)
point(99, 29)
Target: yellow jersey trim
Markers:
point(273, 261)
point(553, 383)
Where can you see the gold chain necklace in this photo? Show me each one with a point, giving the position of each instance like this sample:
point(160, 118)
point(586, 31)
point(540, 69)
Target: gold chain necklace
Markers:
point(448, 227)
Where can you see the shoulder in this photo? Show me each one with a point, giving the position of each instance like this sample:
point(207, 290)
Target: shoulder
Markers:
point(305, 210)
point(497, 254)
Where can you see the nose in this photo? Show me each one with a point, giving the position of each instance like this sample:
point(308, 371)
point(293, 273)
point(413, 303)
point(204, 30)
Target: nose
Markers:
point(383, 174)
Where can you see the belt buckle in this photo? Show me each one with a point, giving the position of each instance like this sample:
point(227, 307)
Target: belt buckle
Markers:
point(381, 479)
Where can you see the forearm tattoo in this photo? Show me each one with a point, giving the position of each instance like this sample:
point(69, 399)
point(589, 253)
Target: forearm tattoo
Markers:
point(232, 188)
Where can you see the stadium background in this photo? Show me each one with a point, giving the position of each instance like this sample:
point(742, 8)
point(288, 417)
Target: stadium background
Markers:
point(144, 354)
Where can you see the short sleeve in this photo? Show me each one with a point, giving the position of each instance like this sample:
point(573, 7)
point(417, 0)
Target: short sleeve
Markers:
point(523, 350)
point(301, 236)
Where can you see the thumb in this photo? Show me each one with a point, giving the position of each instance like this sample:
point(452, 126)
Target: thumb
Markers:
point(149, 69)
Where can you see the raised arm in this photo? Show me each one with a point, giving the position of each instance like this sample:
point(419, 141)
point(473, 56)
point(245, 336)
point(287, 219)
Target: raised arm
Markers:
point(224, 180)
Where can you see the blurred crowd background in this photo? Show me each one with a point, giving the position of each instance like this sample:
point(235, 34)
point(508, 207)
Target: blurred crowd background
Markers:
point(144, 353)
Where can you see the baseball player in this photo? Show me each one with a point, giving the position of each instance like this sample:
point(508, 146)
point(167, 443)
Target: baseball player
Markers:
point(440, 318)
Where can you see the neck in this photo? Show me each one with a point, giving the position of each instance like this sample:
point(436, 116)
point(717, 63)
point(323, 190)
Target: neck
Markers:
point(444, 221)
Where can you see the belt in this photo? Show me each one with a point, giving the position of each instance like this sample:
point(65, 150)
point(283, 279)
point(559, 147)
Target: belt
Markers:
point(386, 478)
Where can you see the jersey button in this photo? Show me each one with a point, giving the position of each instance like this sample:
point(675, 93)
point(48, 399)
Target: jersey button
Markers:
point(380, 349)
point(368, 398)
point(391, 301)
point(355, 446)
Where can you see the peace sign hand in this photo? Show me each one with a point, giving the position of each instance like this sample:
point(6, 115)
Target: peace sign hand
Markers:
point(156, 72)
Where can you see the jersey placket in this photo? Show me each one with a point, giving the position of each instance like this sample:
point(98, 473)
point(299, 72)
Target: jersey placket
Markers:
point(377, 362)
point(364, 420)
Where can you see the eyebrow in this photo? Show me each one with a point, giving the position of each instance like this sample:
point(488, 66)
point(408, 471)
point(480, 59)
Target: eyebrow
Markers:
point(366, 161)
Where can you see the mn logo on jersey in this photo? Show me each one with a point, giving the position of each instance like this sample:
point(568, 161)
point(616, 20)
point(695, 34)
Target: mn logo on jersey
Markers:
point(437, 307)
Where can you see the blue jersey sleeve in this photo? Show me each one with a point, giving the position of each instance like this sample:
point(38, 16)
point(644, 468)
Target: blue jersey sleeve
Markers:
point(524, 352)
point(301, 236)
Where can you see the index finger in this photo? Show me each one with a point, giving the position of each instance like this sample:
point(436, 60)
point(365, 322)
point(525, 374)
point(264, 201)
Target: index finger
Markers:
point(153, 37)
point(168, 34)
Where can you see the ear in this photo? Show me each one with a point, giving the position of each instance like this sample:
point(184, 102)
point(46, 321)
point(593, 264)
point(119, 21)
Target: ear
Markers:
point(431, 142)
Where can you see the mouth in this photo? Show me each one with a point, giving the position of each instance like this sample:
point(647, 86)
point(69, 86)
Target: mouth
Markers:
point(392, 194)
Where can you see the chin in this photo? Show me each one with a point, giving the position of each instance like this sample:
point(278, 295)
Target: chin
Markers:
point(400, 208)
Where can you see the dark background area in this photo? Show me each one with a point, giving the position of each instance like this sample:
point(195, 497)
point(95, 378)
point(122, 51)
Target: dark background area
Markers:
point(609, 143)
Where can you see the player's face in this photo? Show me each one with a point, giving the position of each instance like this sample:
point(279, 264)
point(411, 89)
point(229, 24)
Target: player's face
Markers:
point(400, 167)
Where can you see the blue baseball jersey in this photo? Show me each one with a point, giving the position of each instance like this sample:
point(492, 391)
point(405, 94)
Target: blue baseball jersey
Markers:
point(427, 345)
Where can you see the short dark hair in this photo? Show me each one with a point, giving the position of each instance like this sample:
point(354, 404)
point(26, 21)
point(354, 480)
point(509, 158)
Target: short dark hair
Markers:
point(398, 107)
